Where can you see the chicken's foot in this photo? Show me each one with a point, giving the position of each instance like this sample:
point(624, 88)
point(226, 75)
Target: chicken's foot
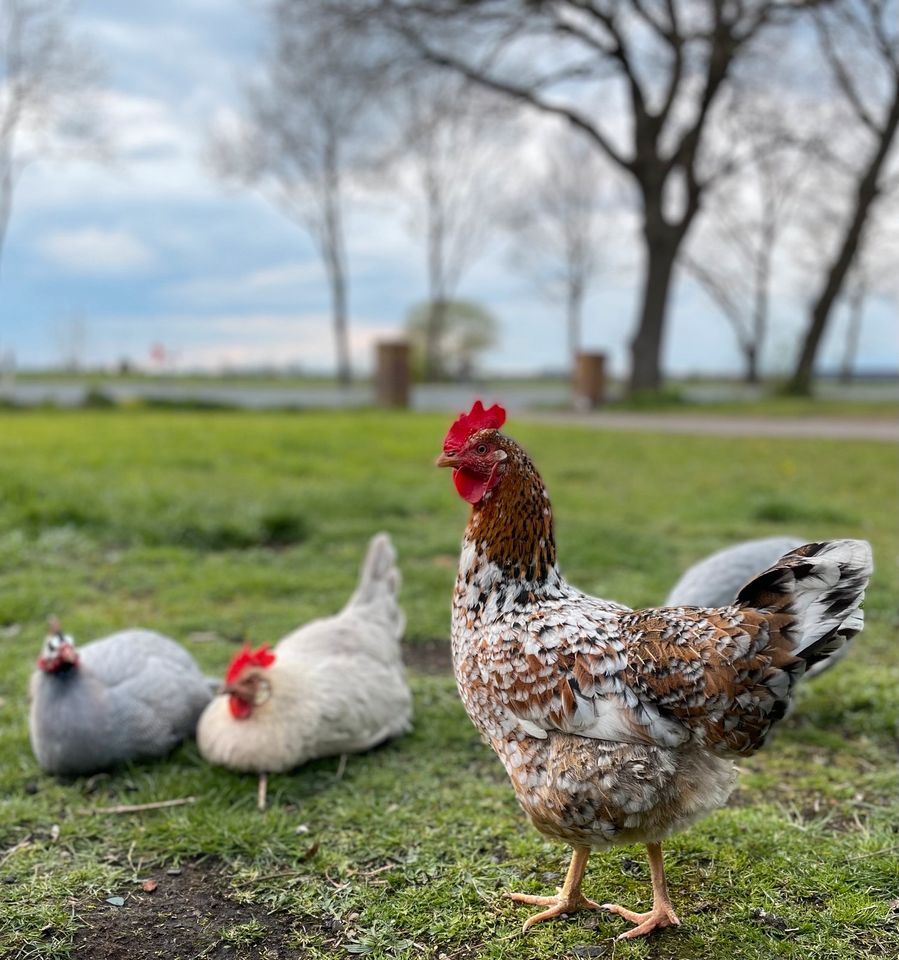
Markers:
point(263, 788)
point(662, 913)
point(569, 898)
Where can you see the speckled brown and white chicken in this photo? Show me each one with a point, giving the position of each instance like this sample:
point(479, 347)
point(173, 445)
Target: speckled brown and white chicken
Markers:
point(615, 725)
point(331, 687)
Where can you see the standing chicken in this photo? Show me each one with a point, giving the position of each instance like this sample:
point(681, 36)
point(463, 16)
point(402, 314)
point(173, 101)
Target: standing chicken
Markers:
point(130, 695)
point(332, 687)
point(618, 726)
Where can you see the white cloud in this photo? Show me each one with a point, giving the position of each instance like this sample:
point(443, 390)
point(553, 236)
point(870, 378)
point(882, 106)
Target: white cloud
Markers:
point(268, 285)
point(93, 250)
point(249, 340)
point(234, 339)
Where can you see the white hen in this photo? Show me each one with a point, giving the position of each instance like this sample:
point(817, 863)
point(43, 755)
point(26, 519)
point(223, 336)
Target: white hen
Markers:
point(332, 687)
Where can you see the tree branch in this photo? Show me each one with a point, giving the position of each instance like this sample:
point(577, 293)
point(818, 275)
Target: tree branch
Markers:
point(622, 55)
point(523, 94)
point(842, 76)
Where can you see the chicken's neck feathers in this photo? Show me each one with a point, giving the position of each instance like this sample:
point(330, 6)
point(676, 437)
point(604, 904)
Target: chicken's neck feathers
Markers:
point(510, 531)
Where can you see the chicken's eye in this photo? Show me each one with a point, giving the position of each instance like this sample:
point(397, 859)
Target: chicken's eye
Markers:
point(482, 448)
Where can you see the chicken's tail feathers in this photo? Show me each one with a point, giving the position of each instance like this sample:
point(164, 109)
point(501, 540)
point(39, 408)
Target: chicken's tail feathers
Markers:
point(822, 587)
point(380, 575)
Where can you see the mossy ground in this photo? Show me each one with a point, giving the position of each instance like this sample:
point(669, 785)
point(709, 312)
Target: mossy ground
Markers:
point(220, 527)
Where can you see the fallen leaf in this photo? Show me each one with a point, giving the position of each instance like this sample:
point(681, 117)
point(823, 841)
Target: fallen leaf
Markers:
point(148, 886)
point(116, 901)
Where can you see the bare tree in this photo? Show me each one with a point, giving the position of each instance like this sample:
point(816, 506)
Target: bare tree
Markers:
point(860, 43)
point(556, 227)
point(301, 134)
point(640, 78)
point(873, 274)
point(735, 249)
point(450, 169)
point(46, 78)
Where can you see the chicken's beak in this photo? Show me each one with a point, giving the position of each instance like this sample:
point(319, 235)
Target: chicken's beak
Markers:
point(225, 688)
point(446, 460)
point(67, 654)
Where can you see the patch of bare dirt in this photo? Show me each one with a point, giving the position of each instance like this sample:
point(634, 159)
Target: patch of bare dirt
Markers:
point(182, 918)
point(429, 656)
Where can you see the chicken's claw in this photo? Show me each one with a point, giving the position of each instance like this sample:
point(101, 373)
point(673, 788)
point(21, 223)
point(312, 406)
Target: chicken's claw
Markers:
point(658, 918)
point(558, 905)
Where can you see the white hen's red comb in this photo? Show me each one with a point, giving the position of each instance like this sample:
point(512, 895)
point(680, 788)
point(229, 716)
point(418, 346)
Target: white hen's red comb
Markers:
point(263, 657)
point(468, 423)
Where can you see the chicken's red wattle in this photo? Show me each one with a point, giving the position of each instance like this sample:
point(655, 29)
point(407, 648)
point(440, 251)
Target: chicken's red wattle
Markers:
point(239, 708)
point(471, 487)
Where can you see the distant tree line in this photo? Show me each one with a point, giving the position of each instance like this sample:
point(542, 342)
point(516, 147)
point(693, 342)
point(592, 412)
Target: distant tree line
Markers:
point(742, 135)
point(689, 103)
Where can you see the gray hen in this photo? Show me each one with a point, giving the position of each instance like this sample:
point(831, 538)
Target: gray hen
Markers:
point(132, 694)
point(716, 580)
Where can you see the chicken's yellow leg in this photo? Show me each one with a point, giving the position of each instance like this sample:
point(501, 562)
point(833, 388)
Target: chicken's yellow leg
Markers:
point(263, 790)
point(569, 898)
point(662, 913)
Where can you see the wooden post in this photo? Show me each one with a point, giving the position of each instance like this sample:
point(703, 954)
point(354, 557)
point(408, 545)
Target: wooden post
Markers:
point(392, 374)
point(589, 380)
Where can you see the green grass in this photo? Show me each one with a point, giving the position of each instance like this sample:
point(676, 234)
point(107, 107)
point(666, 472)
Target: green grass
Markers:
point(221, 526)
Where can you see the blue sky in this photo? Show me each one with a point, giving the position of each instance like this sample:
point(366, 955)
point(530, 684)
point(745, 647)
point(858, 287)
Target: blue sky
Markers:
point(152, 249)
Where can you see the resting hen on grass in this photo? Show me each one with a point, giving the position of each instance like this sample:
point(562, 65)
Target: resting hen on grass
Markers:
point(716, 580)
point(332, 687)
point(615, 725)
point(130, 695)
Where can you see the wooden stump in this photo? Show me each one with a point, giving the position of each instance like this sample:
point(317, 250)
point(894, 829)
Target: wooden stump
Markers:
point(392, 374)
point(589, 380)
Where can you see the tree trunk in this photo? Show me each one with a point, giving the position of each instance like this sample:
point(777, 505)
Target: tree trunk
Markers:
point(758, 329)
point(646, 347)
point(853, 331)
point(801, 381)
point(335, 265)
point(341, 325)
point(751, 354)
point(573, 309)
point(432, 368)
point(436, 324)
point(6, 186)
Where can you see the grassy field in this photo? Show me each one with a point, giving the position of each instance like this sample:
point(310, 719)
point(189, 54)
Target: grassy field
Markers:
point(221, 527)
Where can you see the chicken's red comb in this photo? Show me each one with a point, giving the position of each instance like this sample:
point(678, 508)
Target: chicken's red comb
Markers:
point(469, 423)
point(263, 657)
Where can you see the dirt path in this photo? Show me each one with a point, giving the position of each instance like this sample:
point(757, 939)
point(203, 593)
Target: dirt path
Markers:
point(722, 425)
